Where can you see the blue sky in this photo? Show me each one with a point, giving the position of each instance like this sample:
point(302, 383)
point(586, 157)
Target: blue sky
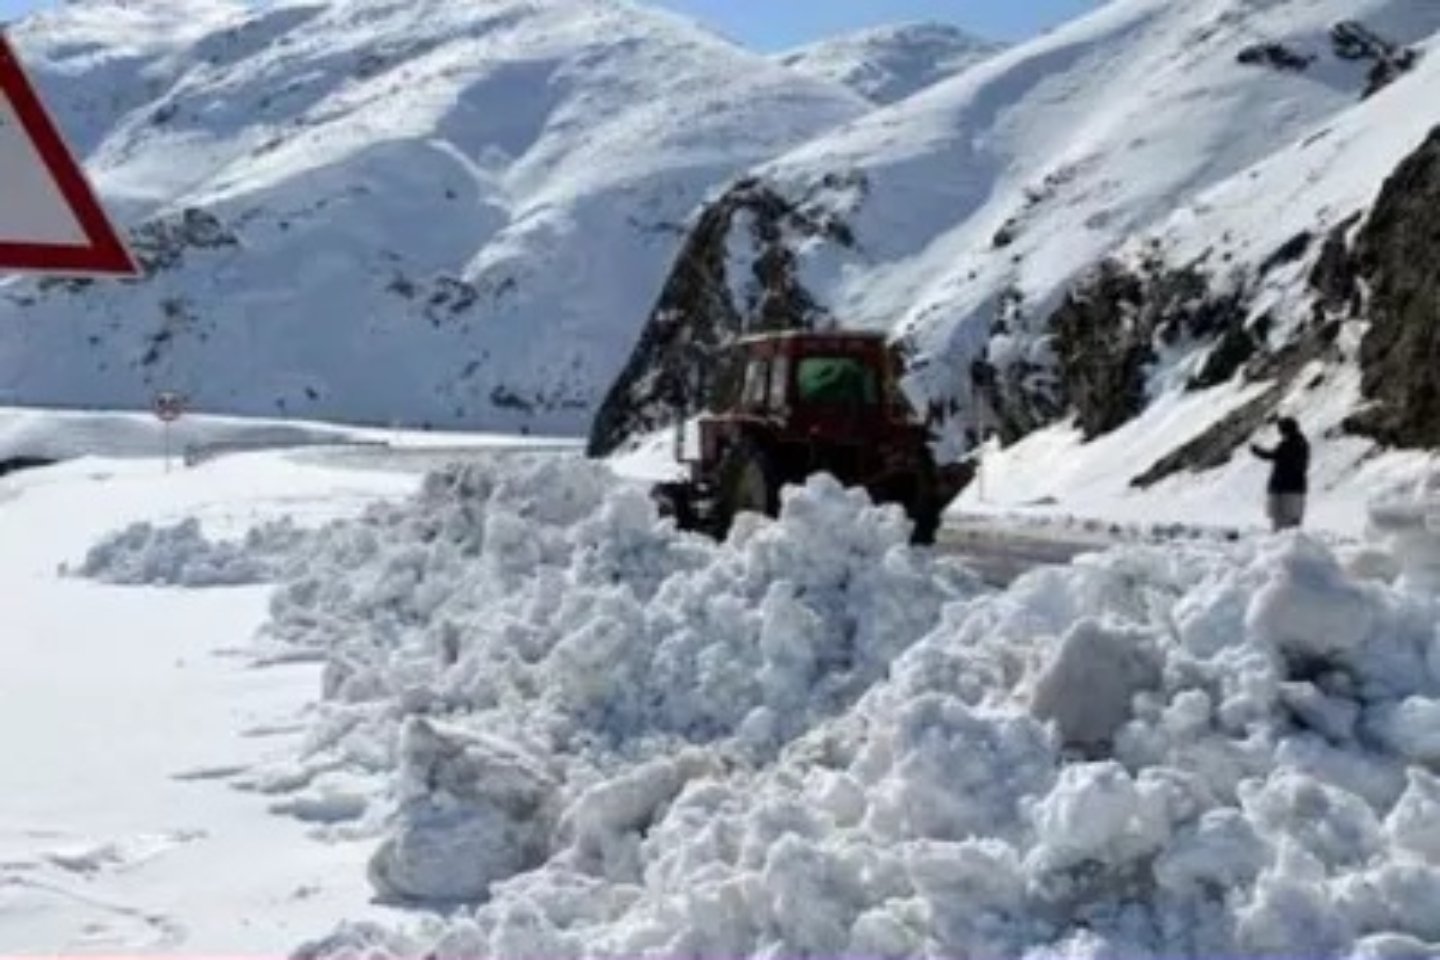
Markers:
point(775, 24)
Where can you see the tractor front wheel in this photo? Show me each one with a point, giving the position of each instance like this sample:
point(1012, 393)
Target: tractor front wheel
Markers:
point(749, 483)
point(925, 509)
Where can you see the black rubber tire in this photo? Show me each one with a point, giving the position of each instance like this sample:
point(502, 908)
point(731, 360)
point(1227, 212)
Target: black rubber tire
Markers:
point(675, 501)
point(749, 482)
point(924, 508)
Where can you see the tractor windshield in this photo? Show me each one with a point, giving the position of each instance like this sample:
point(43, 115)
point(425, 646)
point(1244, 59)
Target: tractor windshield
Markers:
point(837, 381)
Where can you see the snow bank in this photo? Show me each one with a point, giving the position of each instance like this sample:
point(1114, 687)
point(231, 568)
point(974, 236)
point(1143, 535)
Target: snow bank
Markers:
point(525, 632)
point(70, 434)
point(1407, 519)
point(583, 733)
point(183, 556)
point(611, 739)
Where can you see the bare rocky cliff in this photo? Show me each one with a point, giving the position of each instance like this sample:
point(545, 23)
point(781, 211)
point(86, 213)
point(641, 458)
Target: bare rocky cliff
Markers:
point(737, 273)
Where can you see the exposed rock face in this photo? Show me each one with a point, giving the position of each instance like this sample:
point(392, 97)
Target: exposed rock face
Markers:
point(1354, 41)
point(1276, 55)
point(1398, 256)
point(1389, 276)
point(738, 273)
point(1105, 338)
point(1350, 40)
point(1215, 447)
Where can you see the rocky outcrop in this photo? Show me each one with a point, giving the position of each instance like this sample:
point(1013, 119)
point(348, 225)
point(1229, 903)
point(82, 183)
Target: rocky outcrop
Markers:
point(1387, 274)
point(1350, 41)
point(1104, 339)
point(1356, 42)
point(1397, 255)
point(1277, 56)
point(1216, 446)
point(737, 273)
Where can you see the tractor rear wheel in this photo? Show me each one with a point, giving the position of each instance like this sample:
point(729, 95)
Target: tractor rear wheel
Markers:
point(748, 483)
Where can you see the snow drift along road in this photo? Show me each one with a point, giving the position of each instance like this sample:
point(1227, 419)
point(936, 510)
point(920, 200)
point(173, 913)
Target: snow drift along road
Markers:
point(609, 739)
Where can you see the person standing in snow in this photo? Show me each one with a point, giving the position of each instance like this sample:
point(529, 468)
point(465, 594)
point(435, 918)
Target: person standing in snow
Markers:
point(1289, 479)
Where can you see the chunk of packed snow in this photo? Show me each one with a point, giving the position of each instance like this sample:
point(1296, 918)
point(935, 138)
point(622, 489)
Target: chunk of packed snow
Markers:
point(1408, 519)
point(182, 555)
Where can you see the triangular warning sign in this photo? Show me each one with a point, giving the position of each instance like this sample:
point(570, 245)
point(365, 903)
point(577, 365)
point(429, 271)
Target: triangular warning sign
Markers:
point(50, 218)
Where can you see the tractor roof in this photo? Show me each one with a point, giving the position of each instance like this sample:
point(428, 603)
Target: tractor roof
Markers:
point(792, 336)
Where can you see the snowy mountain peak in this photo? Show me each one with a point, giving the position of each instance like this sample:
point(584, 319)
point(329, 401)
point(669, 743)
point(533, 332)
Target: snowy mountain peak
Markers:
point(438, 211)
point(889, 63)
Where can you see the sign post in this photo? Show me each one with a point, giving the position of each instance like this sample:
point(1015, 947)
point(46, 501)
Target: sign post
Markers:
point(51, 220)
point(169, 407)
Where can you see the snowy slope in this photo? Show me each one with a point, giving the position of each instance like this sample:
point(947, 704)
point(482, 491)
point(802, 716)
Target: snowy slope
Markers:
point(961, 218)
point(443, 212)
point(128, 719)
point(1312, 187)
point(890, 63)
point(1065, 147)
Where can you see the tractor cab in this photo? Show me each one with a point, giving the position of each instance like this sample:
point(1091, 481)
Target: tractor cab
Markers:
point(838, 387)
point(812, 403)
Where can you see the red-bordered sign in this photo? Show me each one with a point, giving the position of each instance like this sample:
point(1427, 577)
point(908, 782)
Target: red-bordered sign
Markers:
point(169, 406)
point(100, 251)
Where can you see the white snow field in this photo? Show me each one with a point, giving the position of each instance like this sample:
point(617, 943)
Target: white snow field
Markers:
point(127, 717)
point(567, 730)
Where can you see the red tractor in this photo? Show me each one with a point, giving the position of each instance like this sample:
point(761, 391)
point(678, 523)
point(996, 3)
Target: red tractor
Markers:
point(813, 403)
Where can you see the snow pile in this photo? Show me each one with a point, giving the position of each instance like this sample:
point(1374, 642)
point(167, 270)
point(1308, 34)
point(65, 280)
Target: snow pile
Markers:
point(1407, 518)
point(182, 555)
point(525, 631)
point(612, 739)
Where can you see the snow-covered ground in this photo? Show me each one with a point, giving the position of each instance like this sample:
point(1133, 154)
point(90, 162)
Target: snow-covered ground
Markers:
point(128, 716)
point(509, 713)
point(70, 434)
point(1053, 477)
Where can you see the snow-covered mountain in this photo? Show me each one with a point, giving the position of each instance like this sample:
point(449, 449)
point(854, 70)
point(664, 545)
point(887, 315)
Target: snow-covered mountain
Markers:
point(1195, 142)
point(435, 211)
point(461, 213)
point(890, 63)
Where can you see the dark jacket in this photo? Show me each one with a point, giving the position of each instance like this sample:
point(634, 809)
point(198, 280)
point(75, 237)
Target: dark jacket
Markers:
point(1292, 465)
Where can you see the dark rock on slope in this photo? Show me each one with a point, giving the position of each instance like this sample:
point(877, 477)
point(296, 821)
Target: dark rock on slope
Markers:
point(680, 363)
point(1398, 256)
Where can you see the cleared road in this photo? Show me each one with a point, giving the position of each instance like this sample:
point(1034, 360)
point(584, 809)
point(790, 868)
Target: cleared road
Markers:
point(1001, 555)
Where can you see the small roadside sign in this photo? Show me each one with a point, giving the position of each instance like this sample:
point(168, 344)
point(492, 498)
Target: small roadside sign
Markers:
point(169, 406)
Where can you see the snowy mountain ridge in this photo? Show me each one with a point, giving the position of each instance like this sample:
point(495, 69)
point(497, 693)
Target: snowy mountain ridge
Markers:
point(439, 212)
point(890, 63)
